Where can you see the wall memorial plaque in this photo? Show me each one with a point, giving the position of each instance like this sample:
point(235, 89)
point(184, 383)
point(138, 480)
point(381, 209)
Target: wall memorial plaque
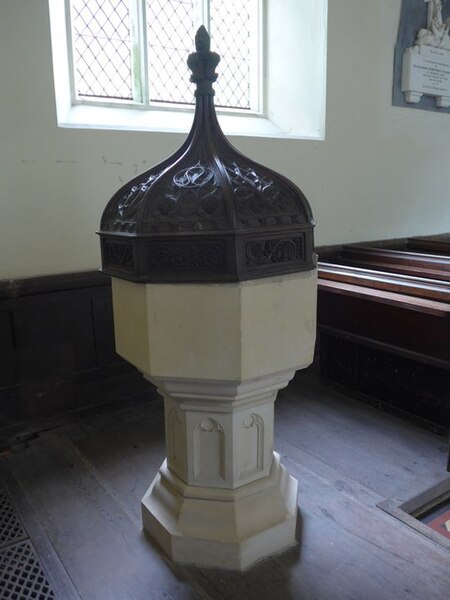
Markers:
point(426, 70)
point(422, 57)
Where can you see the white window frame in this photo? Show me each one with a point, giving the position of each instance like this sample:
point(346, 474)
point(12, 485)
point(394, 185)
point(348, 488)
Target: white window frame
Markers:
point(293, 82)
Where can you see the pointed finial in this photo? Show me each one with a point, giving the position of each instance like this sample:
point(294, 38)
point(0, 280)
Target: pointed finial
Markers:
point(202, 63)
point(202, 40)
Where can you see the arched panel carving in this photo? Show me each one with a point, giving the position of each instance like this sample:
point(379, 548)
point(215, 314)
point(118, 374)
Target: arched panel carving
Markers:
point(209, 451)
point(175, 439)
point(251, 455)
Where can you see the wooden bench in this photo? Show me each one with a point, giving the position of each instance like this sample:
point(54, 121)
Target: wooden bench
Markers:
point(436, 244)
point(384, 325)
point(404, 262)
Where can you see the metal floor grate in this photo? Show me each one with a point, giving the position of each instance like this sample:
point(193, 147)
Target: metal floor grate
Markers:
point(21, 575)
point(11, 529)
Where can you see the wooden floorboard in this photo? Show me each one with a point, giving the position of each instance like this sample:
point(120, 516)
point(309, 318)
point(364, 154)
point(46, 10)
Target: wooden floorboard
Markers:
point(83, 482)
point(371, 550)
point(384, 452)
point(105, 553)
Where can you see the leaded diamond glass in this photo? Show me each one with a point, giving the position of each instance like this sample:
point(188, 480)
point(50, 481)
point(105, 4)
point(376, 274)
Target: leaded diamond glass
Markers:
point(170, 31)
point(102, 48)
point(230, 29)
point(108, 46)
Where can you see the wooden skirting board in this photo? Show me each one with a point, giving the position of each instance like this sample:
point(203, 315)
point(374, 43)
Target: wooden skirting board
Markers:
point(57, 350)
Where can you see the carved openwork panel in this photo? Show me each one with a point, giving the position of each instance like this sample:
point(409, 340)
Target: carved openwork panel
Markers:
point(190, 200)
point(121, 213)
point(260, 198)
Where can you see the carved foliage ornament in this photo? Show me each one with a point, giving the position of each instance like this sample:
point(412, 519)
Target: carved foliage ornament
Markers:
point(194, 200)
point(183, 256)
point(119, 255)
point(274, 251)
point(191, 200)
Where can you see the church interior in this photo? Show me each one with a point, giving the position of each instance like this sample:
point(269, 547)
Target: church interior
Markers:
point(362, 427)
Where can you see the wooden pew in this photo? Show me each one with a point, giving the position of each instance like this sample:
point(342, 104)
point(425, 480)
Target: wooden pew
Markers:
point(436, 244)
point(384, 325)
point(397, 261)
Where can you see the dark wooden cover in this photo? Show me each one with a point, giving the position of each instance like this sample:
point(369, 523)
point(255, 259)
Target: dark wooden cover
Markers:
point(207, 213)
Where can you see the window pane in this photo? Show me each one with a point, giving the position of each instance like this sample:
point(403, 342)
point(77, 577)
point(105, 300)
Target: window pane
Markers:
point(102, 49)
point(171, 31)
point(231, 36)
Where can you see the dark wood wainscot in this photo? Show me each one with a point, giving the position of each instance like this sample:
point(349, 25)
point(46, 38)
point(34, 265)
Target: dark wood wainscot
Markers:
point(384, 324)
point(57, 347)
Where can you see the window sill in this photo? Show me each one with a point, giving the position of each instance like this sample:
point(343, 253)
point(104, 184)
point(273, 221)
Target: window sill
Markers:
point(131, 119)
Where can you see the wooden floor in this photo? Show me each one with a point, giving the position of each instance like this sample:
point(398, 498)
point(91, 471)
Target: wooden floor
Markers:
point(78, 487)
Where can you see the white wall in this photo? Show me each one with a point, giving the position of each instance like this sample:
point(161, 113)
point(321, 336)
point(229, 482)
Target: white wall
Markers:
point(382, 172)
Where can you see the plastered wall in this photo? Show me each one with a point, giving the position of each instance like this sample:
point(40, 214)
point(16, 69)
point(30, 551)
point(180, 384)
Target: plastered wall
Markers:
point(382, 172)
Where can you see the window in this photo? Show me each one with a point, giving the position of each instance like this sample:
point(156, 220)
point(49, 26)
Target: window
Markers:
point(126, 87)
point(135, 50)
